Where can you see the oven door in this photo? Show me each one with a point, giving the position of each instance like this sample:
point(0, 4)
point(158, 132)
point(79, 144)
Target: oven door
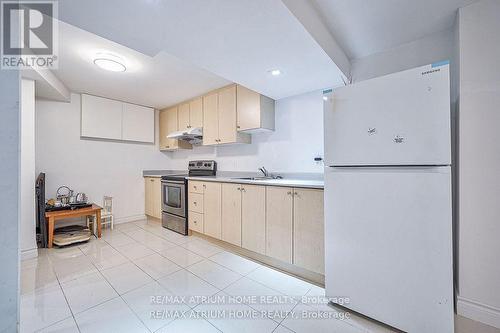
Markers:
point(173, 197)
point(174, 223)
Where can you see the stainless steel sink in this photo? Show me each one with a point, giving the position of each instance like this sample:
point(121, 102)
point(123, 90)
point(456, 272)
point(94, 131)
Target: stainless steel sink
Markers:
point(256, 178)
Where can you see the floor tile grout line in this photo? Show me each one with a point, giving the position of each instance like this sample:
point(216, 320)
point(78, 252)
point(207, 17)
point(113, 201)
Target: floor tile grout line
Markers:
point(67, 303)
point(136, 314)
point(241, 276)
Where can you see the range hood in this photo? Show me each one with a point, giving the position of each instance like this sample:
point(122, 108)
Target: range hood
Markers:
point(193, 136)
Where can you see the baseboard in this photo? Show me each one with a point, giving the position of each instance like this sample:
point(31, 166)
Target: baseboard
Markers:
point(29, 254)
point(130, 218)
point(479, 312)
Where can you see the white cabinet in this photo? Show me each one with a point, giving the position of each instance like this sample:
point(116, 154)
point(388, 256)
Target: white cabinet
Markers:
point(105, 118)
point(138, 123)
point(101, 118)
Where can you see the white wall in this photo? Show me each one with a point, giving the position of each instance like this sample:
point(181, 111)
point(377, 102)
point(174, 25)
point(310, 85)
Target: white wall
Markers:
point(27, 171)
point(9, 200)
point(115, 168)
point(95, 167)
point(298, 138)
point(479, 161)
point(421, 52)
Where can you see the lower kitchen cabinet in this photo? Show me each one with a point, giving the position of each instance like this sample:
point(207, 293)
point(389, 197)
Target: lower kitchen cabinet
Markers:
point(212, 210)
point(152, 197)
point(282, 223)
point(308, 230)
point(279, 223)
point(231, 213)
point(195, 221)
point(253, 218)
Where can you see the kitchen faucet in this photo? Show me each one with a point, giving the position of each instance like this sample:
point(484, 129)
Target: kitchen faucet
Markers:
point(264, 171)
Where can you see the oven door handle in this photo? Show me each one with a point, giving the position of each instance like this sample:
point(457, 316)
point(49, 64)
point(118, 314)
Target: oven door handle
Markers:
point(166, 182)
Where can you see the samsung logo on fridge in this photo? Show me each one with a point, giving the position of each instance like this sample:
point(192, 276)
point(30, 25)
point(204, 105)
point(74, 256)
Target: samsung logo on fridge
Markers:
point(431, 71)
point(434, 66)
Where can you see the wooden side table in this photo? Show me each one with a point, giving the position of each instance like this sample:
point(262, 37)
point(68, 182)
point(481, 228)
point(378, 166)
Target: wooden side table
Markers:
point(52, 217)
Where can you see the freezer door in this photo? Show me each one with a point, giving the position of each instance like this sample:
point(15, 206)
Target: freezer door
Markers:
point(398, 119)
point(388, 244)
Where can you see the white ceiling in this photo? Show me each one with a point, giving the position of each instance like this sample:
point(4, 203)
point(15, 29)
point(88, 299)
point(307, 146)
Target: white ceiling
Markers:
point(178, 49)
point(364, 27)
point(238, 40)
point(157, 81)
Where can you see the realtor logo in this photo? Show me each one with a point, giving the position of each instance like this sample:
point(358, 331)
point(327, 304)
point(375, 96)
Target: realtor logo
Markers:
point(29, 34)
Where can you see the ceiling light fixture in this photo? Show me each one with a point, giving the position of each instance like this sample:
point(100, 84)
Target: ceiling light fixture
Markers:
point(275, 72)
point(109, 62)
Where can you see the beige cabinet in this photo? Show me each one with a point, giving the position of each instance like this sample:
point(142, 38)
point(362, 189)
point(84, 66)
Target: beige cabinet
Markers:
point(253, 218)
point(308, 229)
point(195, 202)
point(196, 113)
point(231, 213)
point(279, 222)
point(219, 118)
point(152, 196)
point(168, 124)
point(190, 114)
point(195, 187)
point(183, 116)
point(255, 112)
point(212, 217)
point(195, 222)
point(284, 223)
point(210, 119)
point(227, 115)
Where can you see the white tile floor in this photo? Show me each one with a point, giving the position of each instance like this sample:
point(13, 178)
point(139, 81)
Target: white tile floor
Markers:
point(143, 278)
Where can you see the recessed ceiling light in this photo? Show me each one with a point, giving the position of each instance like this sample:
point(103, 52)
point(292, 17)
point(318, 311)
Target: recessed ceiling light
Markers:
point(109, 62)
point(275, 72)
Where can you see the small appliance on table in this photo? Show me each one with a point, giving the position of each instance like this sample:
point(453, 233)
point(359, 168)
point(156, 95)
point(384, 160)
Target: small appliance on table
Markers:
point(53, 216)
point(174, 190)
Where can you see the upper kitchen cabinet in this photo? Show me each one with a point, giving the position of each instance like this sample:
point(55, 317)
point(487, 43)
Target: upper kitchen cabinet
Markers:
point(191, 114)
point(219, 118)
point(105, 118)
point(138, 123)
point(255, 112)
point(168, 124)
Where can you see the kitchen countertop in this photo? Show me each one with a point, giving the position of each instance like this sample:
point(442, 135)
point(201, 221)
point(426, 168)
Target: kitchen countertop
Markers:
point(307, 180)
point(159, 173)
point(308, 183)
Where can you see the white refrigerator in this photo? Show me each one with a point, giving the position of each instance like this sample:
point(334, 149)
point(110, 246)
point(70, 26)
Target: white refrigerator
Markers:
point(388, 198)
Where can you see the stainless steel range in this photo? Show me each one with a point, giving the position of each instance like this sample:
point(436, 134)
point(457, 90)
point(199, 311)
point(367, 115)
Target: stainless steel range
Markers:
point(174, 195)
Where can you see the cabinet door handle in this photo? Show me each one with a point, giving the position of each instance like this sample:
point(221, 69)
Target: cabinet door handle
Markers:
point(194, 186)
point(204, 186)
point(295, 193)
point(194, 202)
point(243, 189)
point(239, 189)
point(289, 193)
point(152, 180)
point(238, 127)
